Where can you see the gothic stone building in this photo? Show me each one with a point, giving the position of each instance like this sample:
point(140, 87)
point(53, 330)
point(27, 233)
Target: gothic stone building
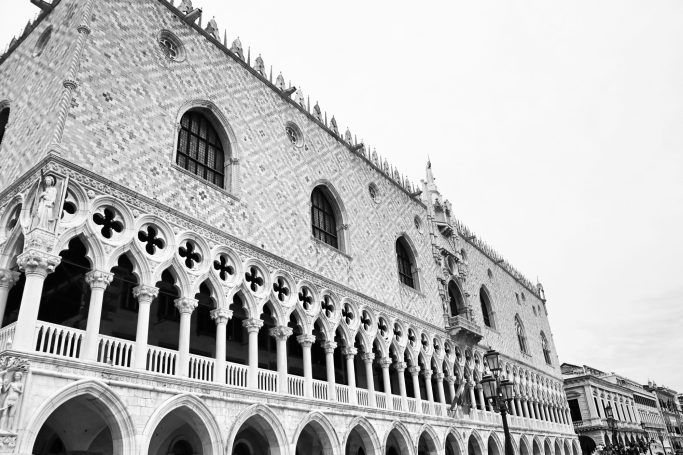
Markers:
point(195, 261)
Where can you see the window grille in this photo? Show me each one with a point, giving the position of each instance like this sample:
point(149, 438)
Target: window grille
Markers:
point(199, 148)
point(405, 265)
point(521, 337)
point(323, 222)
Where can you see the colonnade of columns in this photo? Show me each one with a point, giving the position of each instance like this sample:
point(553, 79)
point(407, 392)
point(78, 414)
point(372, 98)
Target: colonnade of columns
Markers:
point(37, 265)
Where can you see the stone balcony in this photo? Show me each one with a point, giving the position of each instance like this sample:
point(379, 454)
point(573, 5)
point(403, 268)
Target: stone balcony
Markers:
point(462, 330)
point(58, 346)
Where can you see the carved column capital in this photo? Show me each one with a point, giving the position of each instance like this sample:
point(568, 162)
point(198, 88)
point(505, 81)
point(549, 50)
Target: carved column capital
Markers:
point(400, 366)
point(450, 379)
point(306, 340)
point(36, 262)
point(281, 332)
point(221, 315)
point(439, 376)
point(145, 294)
point(252, 325)
point(186, 305)
point(8, 278)
point(99, 280)
point(414, 370)
point(427, 374)
point(349, 352)
point(329, 347)
point(385, 362)
point(368, 357)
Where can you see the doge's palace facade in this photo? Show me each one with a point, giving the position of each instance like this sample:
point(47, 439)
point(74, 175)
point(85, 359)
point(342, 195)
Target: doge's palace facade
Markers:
point(195, 260)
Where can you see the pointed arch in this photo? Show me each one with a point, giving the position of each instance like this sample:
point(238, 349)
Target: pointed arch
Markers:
point(524, 445)
point(401, 436)
point(407, 262)
point(328, 215)
point(367, 434)
point(110, 406)
point(266, 421)
point(456, 298)
point(451, 438)
point(321, 425)
point(430, 441)
point(202, 420)
point(94, 250)
point(475, 444)
point(176, 269)
point(486, 305)
point(141, 267)
point(302, 318)
point(494, 445)
point(521, 334)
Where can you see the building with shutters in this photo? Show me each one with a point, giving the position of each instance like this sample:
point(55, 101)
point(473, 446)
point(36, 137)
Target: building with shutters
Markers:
point(193, 260)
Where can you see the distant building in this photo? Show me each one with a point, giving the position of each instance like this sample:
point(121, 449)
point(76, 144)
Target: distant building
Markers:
point(668, 402)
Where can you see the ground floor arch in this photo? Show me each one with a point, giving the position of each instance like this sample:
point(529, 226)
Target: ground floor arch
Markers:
point(257, 431)
point(427, 443)
point(588, 445)
point(452, 445)
point(314, 439)
point(474, 445)
point(361, 439)
point(398, 441)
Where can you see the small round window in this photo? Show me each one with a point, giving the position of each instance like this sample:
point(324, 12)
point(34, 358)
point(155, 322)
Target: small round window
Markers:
point(171, 47)
point(373, 191)
point(294, 134)
point(42, 41)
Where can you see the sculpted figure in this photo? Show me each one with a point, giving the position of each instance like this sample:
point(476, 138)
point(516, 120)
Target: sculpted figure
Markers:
point(186, 6)
point(11, 393)
point(45, 203)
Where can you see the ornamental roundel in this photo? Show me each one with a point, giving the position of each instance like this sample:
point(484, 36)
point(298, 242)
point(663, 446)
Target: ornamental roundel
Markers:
point(383, 328)
point(294, 134)
point(227, 267)
point(171, 47)
point(367, 321)
point(349, 315)
point(282, 290)
point(307, 299)
point(256, 279)
point(192, 252)
point(412, 338)
point(110, 222)
point(399, 333)
point(328, 306)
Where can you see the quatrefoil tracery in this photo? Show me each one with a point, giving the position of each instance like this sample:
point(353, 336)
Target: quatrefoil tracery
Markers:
point(382, 327)
point(306, 298)
point(411, 337)
point(366, 320)
point(223, 267)
point(255, 279)
point(110, 225)
point(150, 237)
point(281, 289)
point(327, 306)
point(398, 333)
point(190, 253)
point(347, 314)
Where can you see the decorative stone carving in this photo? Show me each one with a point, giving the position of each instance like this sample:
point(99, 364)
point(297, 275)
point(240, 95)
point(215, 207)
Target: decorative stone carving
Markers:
point(46, 203)
point(368, 357)
point(212, 29)
point(35, 262)
point(97, 279)
point(280, 82)
point(186, 305)
point(236, 48)
point(329, 347)
point(259, 66)
point(145, 293)
point(333, 126)
point(317, 113)
point(221, 315)
point(13, 372)
point(185, 6)
point(306, 340)
point(252, 325)
point(281, 332)
point(8, 278)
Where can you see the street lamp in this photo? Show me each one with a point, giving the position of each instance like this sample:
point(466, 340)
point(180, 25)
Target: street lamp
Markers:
point(649, 442)
point(499, 392)
point(611, 423)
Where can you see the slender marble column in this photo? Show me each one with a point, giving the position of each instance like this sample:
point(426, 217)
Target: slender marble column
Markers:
point(400, 369)
point(368, 358)
point(439, 388)
point(98, 282)
point(221, 316)
point(350, 354)
point(185, 306)
point(253, 326)
point(385, 363)
point(306, 341)
point(145, 296)
point(414, 372)
point(281, 333)
point(329, 347)
point(8, 278)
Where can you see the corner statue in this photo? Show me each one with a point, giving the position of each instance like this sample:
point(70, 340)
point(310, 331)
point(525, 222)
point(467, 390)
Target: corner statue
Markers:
point(11, 393)
point(44, 205)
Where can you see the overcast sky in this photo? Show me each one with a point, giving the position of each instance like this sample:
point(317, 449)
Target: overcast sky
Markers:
point(555, 129)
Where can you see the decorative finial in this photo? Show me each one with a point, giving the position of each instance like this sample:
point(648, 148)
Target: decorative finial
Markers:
point(280, 82)
point(185, 6)
point(259, 66)
point(333, 126)
point(236, 48)
point(212, 29)
point(317, 112)
point(347, 136)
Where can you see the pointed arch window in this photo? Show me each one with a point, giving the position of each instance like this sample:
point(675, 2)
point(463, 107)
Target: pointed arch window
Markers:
point(323, 220)
point(200, 149)
point(546, 349)
point(456, 302)
point(406, 263)
point(521, 335)
point(4, 118)
point(486, 311)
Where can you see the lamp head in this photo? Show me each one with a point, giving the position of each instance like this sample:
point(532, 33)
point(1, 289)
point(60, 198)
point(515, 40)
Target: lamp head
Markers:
point(493, 361)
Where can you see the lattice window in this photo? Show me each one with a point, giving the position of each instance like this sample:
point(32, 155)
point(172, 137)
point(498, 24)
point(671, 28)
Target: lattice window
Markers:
point(521, 336)
point(4, 118)
point(546, 349)
point(456, 301)
point(323, 221)
point(199, 148)
point(405, 263)
point(486, 307)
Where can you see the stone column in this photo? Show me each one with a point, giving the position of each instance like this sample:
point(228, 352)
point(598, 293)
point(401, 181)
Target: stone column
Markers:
point(253, 326)
point(472, 397)
point(368, 358)
point(525, 407)
point(281, 333)
point(221, 316)
point(185, 307)
point(511, 407)
point(7, 280)
point(480, 394)
point(36, 265)
point(518, 402)
point(400, 369)
point(329, 347)
point(349, 354)
point(414, 372)
point(428, 385)
point(145, 295)
point(451, 386)
point(439, 388)
point(306, 341)
point(98, 282)
point(385, 363)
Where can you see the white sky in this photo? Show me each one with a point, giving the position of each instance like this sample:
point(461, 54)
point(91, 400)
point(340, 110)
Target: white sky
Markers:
point(554, 129)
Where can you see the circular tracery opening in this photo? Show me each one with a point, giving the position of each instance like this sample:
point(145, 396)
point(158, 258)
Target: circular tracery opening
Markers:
point(373, 191)
point(171, 47)
point(294, 134)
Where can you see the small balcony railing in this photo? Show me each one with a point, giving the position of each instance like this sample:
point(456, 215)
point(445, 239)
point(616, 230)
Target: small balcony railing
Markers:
point(462, 330)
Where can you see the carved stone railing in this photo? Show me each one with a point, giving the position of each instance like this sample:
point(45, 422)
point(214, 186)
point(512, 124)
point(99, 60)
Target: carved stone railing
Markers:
point(462, 330)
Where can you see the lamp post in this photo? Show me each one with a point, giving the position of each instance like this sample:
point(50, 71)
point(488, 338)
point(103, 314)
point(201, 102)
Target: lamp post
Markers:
point(648, 441)
point(499, 391)
point(612, 423)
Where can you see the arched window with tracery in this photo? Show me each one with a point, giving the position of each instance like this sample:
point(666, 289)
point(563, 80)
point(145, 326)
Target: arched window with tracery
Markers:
point(200, 149)
point(406, 263)
point(323, 219)
point(521, 335)
point(546, 349)
point(486, 309)
point(456, 302)
point(4, 118)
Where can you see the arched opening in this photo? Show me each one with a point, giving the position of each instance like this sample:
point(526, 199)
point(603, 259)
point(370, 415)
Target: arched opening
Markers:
point(359, 363)
point(435, 381)
point(521, 334)
point(295, 352)
point(164, 320)
point(181, 431)
point(473, 446)
point(486, 308)
point(452, 445)
point(421, 380)
point(397, 443)
point(66, 295)
point(456, 300)
point(4, 119)
point(493, 448)
point(393, 372)
point(407, 375)
point(587, 444)
point(267, 346)
point(340, 371)
point(537, 448)
point(546, 349)
point(318, 363)
point(359, 442)
point(83, 424)
point(313, 440)
point(446, 368)
point(324, 217)
point(377, 376)
point(547, 449)
point(203, 328)
point(17, 291)
point(426, 445)
point(119, 306)
point(523, 448)
point(201, 150)
point(256, 437)
point(558, 448)
point(237, 338)
point(407, 270)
